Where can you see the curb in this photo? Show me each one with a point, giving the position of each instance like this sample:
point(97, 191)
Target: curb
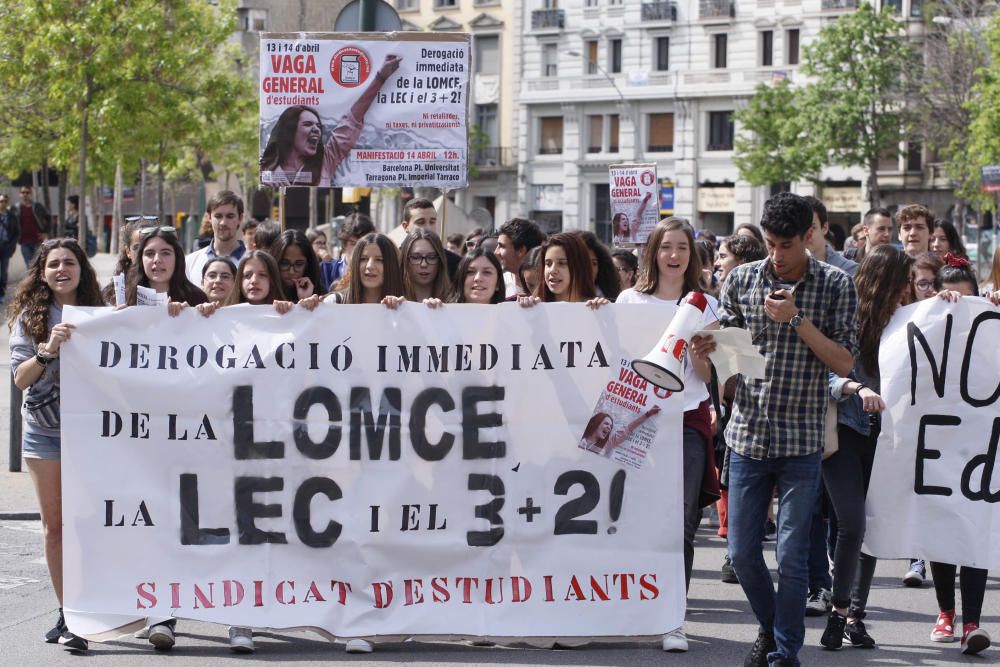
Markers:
point(20, 516)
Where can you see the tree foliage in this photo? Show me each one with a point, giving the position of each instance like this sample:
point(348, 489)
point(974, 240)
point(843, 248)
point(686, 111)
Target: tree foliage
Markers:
point(140, 79)
point(775, 143)
point(851, 113)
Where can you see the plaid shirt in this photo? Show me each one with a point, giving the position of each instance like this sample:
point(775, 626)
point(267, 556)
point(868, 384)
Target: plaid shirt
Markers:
point(783, 414)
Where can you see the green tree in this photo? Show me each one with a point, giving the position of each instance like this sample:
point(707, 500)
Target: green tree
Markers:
point(854, 107)
point(774, 143)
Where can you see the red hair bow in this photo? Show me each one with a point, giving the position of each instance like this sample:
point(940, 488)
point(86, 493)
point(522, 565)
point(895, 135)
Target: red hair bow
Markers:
point(957, 262)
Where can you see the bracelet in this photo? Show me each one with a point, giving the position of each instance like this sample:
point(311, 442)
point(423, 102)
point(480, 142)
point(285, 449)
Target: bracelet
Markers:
point(378, 75)
point(45, 355)
point(861, 385)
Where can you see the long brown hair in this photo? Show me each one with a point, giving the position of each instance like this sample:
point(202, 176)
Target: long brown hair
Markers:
point(581, 283)
point(34, 297)
point(441, 284)
point(649, 276)
point(392, 279)
point(275, 291)
point(596, 421)
point(884, 274)
point(179, 288)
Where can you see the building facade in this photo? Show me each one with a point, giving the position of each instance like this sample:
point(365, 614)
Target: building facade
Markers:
point(611, 81)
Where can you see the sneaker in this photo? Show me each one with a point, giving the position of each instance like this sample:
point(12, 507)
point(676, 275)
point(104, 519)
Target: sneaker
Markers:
point(53, 635)
point(770, 530)
point(833, 636)
point(728, 574)
point(974, 639)
point(918, 572)
point(73, 642)
point(358, 646)
point(819, 602)
point(142, 634)
point(240, 640)
point(856, 633)
point(675, 641)
point(944, 629)
point(161, 636)
point(761, 647)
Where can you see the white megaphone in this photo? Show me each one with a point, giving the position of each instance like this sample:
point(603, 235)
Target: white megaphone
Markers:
point(664, 365)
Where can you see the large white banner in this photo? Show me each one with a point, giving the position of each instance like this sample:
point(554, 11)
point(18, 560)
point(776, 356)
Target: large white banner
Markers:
point(932, 490)
point(370, 472)
point(364, 109)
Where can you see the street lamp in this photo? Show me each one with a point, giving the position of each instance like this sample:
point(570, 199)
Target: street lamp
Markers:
point(577, 54)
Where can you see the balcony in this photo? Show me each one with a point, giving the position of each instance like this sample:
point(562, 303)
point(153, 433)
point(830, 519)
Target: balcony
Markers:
point(659, 11)
point(835, 5)
point(548, 19)
point(495, 157)
point(716, 9)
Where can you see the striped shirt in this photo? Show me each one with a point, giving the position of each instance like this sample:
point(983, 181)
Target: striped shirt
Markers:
point(783, 414)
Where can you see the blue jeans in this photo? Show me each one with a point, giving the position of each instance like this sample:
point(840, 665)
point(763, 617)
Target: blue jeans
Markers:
point(28, 252)
point(4, 266)
point(750, 483)
point(819, 559)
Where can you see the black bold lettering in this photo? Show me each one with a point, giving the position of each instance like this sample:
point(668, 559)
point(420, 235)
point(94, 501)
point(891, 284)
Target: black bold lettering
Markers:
point(361, 416)
point(473, 421)
point(243, 444)
point(914, 334)
point(302, 512)
point(925, 454)
point(418, 424)
point(248, 511)
point(300, 431)
point(191, 533)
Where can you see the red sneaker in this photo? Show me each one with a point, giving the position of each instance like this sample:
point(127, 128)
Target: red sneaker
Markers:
point(974, 639)
point(944, 629)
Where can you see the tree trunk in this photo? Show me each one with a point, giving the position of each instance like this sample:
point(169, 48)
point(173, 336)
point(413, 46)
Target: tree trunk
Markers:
point(63, 194)
point(116, 209)
point(81, 233)
point(159, 184)
point(46, 195)
point(874, 194)
point(98, 223)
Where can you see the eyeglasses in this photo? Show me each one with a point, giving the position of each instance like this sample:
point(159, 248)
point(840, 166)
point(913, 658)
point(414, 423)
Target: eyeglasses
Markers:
point(299, 265)
point(417, 260)
point(146, 231)
point(924, 285)
point(144, 218)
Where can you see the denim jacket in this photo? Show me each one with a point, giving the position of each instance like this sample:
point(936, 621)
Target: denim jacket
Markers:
point(850, 412)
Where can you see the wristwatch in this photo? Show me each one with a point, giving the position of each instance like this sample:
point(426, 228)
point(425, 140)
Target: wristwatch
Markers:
point(795, 321)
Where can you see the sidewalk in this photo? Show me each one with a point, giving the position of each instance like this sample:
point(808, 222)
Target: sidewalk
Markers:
point(17, 495)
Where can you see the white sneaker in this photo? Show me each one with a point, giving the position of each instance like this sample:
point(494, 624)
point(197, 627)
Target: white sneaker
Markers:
point(161, 636)
point(819, 602)
point(240, 640)
point(675, 641)
point(358, 646)
point(142, 634)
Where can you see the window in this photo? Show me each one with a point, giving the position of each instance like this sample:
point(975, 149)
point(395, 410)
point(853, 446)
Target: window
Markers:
point(613, 133)
point(591, 51)
point(445, 4)
point(661, 133)
point(596, 134)
point(550, 4)
point(913, 158)
point(720, 130)
point(662, 58)
point(615, 55)
point(551, 139)
point(406, 4)
point(486, 120)
point(486, 54)
point(550, 60)
point(766, 48)
point(591, 3)
point(719, 47)
point(792, 41)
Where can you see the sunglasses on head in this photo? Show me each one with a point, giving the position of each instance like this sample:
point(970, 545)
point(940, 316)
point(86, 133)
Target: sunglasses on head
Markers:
point(64, 241)
point(144, 218)
point(146, 231)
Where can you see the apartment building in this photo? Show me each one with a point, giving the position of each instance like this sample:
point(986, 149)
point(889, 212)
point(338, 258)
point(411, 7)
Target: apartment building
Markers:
point(609, 81)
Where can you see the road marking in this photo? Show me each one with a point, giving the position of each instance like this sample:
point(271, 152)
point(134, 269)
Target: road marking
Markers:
point(36, 528)
point(6, 583)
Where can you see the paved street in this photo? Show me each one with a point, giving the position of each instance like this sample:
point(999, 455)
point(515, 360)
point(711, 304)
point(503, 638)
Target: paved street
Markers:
point(720, 626)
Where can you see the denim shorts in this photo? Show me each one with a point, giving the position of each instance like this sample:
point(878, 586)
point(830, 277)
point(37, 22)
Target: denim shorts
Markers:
point(38, 446)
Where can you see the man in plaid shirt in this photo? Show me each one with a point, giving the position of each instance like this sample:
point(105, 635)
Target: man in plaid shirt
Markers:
point(802, 316)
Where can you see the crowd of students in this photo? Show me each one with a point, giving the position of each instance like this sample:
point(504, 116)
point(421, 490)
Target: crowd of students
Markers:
point(815, 314)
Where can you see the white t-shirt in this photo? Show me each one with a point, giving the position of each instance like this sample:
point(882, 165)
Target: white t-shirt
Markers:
point(695, 390)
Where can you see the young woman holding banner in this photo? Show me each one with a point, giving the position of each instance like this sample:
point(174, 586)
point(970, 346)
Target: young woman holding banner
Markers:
point(671, 268)
point(374, 276)
point(955, 280)
point(883, 284)
point(477, 280)
point(160, 266)
point(298, 265)
point(567, 274)
point(424, 266)
point(58, 276)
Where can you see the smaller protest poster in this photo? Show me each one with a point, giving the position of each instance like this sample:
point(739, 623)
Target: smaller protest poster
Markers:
point(635, 199)
point(624, 422)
